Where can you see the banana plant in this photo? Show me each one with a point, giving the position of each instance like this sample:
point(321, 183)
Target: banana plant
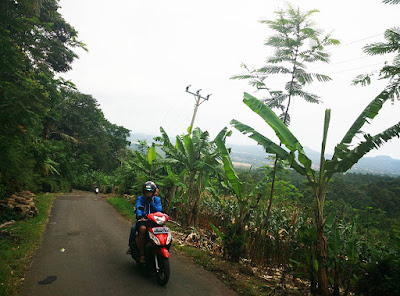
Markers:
point(343, 159)
point(195, 159)
point(244, 197)
point(147, 164)
point(231, 175)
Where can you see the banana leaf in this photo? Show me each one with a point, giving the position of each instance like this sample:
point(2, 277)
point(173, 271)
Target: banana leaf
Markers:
point(165, 138)
point(369, 113)
point(370, 142)
point(280, 129)
point(334, 239)
point(190, 150)
point(151, 154)
point(181, 148)
point(228, 166)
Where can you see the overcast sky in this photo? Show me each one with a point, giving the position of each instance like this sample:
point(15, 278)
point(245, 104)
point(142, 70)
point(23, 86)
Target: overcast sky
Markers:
point(143, 54)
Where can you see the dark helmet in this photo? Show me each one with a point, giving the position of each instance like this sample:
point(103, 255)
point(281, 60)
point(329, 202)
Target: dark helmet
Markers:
point(149, 186)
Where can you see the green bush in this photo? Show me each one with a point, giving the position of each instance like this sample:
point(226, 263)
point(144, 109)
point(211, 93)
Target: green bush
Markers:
point(7, 214)
point(381, 278)
point(234, 242)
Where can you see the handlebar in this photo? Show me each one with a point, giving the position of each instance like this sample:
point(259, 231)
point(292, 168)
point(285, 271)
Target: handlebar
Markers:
point(169, 220)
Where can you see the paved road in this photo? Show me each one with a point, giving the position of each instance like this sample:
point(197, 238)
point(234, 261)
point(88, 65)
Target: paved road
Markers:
point(94, 237)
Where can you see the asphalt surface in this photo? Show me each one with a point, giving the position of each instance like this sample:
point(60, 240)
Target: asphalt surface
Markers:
point(83, 253)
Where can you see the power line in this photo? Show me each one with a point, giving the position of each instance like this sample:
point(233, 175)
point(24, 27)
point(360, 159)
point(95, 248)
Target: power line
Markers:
point(355, 68)
point(359, 40)
point(342, 62)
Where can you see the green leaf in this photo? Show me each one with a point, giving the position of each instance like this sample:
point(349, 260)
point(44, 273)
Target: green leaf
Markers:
point(369, 143)
point(351, 250)
point(324, 139)
point(190, 150)
point(330, 220)
point(334, 239)
point(268, 145)
point(165, 138)
point(217, 231)
point(369, 113)
point(180, 146)
point(281, 130)
point(274, 70)
point(297, 263)
point(315, 265)
point(228, 166)
point(151, 154)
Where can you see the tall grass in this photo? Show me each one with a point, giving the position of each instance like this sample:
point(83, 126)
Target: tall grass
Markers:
point(125, 207)
point(17, 248)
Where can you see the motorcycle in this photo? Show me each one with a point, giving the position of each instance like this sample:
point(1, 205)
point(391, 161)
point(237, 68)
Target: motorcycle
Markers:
point(158, 241)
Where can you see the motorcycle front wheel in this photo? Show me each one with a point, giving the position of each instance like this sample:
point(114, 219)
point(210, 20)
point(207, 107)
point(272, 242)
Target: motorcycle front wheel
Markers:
point(163, 273)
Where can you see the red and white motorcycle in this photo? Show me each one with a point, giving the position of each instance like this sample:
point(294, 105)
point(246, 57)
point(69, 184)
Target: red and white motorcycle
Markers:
point(158, 242)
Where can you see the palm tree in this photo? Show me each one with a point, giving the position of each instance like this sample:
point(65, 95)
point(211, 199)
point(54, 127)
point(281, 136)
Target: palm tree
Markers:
point(343, 159)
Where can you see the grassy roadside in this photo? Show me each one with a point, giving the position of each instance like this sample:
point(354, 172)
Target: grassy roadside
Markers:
point(19, 243)
point(124, 207)
point(228, 272)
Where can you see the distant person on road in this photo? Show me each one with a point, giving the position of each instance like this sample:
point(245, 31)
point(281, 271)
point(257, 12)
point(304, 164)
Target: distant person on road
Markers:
point(147, 203)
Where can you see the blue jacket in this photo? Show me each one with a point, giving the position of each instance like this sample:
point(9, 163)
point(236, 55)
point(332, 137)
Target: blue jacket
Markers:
point(152, 207)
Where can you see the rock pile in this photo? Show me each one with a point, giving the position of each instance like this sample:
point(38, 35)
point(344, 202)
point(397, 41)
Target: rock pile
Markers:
point(22, 203)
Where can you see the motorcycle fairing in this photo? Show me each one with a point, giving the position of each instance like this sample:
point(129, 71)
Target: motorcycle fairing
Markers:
point(158, 217)
point(163, 251)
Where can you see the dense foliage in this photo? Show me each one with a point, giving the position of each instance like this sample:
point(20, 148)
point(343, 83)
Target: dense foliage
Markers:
point(50, 134)
point(52, 137)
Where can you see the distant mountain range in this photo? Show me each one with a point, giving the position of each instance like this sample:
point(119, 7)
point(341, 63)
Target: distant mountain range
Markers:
point(254, 155)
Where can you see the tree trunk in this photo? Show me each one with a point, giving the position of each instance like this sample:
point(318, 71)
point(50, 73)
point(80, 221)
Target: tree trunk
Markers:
point(46, 131)
point(197, 200)
point(170, 196)
point(313, 279)
point(336, 291)
point(322, 255)
point(190, 201)
point(258, 236)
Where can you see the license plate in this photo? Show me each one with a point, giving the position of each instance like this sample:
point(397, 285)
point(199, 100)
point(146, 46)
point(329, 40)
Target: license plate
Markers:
point(159, 230)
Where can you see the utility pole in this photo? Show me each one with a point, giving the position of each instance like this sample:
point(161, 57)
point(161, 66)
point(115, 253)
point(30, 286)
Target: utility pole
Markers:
point(199, 100)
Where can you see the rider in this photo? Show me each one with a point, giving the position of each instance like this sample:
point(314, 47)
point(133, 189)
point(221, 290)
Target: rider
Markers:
point(148, 203)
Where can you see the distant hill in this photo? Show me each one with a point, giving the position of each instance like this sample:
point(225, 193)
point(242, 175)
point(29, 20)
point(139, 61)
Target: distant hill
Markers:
point(382, 164)
point(254, 155)
point(135, 137)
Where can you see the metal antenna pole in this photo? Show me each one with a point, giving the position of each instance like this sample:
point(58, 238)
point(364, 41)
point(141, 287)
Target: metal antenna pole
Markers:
point(198, 99)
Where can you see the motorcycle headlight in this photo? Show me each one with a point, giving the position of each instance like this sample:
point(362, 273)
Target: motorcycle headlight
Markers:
point(169, 238)
point(154, 238)
point(160, 220)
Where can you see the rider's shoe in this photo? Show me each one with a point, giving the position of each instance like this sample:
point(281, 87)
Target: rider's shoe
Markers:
point(142, 260)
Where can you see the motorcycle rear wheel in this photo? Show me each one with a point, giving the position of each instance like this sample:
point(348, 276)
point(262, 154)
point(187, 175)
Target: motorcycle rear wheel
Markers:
point(163, 274)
